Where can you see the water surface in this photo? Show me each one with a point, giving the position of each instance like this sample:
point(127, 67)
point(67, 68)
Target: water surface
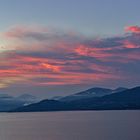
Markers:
point(88, 125)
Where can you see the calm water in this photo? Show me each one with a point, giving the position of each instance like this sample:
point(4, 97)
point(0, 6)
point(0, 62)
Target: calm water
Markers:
point(102, 125)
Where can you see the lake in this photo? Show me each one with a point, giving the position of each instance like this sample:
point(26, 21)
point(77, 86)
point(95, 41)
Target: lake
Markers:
point(78, 125)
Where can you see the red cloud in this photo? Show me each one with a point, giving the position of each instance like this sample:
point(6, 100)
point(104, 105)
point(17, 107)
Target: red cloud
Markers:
point(133, 29)
point(25, 68)
point(130, 45)
point(92, 51)
point(67, 59)
point(51, 67)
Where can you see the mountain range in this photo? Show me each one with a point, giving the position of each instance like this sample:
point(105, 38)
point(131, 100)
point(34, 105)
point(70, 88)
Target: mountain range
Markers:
point(119, 99)
point(92, 92)
point(8, 102)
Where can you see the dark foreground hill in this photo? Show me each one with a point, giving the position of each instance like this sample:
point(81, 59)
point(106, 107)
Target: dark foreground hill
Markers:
point(128, 99)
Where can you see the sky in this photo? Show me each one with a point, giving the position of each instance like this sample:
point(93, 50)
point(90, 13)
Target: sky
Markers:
point(54, 48)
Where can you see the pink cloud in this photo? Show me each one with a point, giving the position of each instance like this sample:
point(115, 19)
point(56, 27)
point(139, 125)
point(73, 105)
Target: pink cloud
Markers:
point(92, 51)
point(65, 59)
point(130, 45)
point(133, 29)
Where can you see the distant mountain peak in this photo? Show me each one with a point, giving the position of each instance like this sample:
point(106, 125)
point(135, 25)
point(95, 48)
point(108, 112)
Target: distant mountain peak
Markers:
point(127, 99)
point(92, 92)
point(6, 96)
point(27, 98)
point(119, 89)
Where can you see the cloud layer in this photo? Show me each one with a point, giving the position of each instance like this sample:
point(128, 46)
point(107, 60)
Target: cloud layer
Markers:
point(41, 56)
point(133, 29)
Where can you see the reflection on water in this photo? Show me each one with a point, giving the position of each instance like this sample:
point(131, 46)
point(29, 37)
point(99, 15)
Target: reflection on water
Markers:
point(95, 125)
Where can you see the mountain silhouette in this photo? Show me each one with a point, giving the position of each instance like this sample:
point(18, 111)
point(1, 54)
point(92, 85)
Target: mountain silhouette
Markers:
point(92, 92)
point(127, 99)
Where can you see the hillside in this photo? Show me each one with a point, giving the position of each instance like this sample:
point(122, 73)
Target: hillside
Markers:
point(128, 99)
